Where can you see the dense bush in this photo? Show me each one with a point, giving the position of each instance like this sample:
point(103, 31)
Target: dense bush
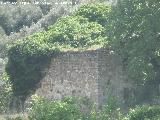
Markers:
point(145, 112)
point(110, 110)
point(66, 109)
point(134, 31)
point(95, 12)
point(76, 31)
point(70, 109)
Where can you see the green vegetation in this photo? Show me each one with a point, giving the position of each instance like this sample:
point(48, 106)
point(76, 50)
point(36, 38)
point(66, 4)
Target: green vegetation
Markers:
point(110, 111)
point(58, 110)
point(145, 112)
point(75, 32)
point(71, 108)
point(13, 18)
point(134, 30)
point(5, 92)
point(29, 57)
point(130, 28)
point(95, 12)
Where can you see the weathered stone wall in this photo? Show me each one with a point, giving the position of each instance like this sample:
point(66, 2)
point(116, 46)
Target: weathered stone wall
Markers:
point(96, 74)
point(111, 77)
point(72, 73)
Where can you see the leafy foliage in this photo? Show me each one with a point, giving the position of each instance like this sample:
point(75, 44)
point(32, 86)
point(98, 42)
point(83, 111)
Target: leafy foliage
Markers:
point(76, 31)
point(145, 112)
point(29, 57)
point(66, 109)
point(5, 92)
point(135, 33)
point(13, 18)
point(70, 109)
point(110, 111)
point(95, 12)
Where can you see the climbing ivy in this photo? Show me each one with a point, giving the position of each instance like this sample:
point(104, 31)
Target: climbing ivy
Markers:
point(28, 58)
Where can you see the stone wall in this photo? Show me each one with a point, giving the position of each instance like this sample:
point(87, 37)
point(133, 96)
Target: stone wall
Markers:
point(95, 74)
point(112, 78)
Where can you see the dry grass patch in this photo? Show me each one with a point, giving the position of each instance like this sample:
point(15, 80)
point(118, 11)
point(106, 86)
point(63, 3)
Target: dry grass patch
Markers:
point(21, 116)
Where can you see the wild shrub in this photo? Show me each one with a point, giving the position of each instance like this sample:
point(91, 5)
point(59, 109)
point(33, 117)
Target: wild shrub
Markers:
point(69, 108)
point(144, 112)
point(76, 31)
point(95, 12)
point(43, 109)
point(110, 110)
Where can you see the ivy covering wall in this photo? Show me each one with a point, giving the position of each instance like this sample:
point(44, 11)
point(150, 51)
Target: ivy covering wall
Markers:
point(30, 56)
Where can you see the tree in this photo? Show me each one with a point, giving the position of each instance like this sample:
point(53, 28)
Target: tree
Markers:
point(135, 34)
point(13, 18)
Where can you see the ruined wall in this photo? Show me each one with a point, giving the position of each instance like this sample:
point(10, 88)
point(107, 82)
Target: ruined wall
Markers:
point(96, 74)
point(112, 79)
